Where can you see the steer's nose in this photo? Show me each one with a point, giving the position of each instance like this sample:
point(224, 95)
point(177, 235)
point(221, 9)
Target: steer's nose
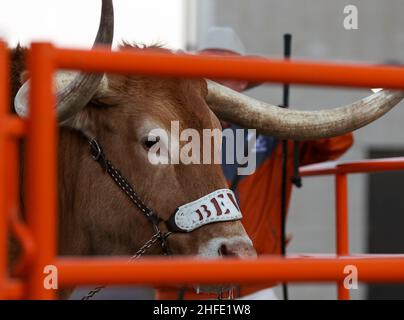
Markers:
point(237, 248)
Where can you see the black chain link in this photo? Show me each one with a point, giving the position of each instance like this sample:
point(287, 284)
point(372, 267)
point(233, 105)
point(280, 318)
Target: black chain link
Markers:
point(98, 155)
point(143, 249)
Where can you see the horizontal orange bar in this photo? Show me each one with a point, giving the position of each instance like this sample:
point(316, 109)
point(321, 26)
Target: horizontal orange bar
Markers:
point(361, 166)
point(13, 126)
point(14, 290)
point(160, 271)
point(247, 68)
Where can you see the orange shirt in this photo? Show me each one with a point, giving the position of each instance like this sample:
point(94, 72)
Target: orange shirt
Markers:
point(259, 198)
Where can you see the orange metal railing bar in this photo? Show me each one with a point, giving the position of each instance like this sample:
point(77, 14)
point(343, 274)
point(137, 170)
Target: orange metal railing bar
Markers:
point(12, 179)
point(11, 128)
point(3, 140)
point(14, 290)
point(14, 126)
point(254, 69)
point(27, 243)
point(41, 191)
point(362, 166)
point(162, 271)
point(342, 240)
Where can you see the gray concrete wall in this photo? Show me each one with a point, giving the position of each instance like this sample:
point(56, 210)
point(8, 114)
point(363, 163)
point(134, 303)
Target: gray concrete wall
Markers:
point(318, 33)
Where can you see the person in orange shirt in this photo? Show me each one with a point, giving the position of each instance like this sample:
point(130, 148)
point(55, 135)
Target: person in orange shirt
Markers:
point(259, 194)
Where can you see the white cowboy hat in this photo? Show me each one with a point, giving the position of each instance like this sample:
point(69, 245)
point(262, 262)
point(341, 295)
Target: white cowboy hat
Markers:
point(224, 38)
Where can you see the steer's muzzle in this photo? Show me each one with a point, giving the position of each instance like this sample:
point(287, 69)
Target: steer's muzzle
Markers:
point(236, 246)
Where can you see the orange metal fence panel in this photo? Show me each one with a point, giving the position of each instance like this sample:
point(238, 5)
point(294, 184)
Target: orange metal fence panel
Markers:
point(341, 170)
point(41, 197)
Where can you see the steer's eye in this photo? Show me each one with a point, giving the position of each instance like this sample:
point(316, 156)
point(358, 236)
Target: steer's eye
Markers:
point(150, 141)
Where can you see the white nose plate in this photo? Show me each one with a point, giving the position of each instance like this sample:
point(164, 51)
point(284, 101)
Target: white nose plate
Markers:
point(217, 206)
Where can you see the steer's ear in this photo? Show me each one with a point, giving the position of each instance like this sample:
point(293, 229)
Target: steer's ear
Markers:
point(83, 121)
point(86, 119)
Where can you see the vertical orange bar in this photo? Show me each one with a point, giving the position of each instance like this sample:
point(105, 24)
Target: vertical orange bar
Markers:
point(3, 152)
point(341, 189)
point(12, 181)
point(41, 167)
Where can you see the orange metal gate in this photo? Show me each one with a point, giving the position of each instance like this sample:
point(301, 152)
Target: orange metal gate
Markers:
point(38, 235)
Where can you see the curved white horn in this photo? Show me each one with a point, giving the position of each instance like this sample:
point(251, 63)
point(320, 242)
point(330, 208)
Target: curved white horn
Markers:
point(75, 90)
point(283, 123)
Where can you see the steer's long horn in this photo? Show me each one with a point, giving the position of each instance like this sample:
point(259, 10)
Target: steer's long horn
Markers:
point(75, 90)
point(294, 124)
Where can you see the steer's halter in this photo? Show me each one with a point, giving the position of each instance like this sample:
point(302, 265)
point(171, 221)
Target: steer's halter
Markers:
point(217, 206)
point(98, 155)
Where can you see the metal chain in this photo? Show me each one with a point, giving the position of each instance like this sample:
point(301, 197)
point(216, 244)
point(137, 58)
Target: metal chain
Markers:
point(142, 250)
point(146, 246)
point(98, 155)
point(92, 293)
